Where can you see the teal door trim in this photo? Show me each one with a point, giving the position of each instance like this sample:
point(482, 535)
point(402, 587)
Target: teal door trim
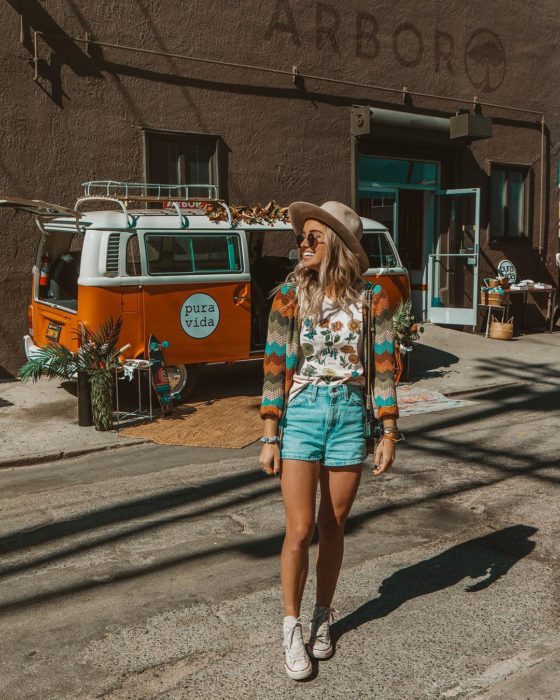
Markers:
point(438, 313)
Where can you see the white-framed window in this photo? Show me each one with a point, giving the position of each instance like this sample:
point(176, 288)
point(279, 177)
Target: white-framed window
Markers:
point(132, 257)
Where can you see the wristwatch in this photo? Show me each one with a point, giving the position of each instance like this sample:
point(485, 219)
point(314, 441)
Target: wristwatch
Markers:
point(268, 440)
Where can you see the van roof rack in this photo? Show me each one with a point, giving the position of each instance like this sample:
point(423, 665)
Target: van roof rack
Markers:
point(169, 196)
point(151, 191)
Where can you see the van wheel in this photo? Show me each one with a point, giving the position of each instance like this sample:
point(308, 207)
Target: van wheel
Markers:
point(183, 378)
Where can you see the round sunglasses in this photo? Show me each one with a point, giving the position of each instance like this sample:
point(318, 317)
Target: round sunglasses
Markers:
point(312, 241)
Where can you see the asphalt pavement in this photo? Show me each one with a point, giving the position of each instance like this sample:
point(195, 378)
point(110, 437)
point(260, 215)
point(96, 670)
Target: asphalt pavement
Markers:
point(152, 572)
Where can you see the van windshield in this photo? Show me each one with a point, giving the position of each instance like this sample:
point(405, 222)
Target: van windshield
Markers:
point(379, 249)
point(180, 254)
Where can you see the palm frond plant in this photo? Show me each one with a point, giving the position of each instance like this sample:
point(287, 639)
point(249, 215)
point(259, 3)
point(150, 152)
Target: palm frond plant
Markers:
point(97, 357)
point(407, 331)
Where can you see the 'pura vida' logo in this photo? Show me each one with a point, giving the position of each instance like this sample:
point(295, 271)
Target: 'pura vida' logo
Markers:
point(200, 315)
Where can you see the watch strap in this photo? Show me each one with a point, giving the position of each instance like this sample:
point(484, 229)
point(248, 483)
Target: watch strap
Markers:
point(270, 440)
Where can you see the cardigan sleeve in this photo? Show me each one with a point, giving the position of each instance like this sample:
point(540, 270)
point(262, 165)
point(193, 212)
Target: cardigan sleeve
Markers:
point(385, 393)
point(274, 365)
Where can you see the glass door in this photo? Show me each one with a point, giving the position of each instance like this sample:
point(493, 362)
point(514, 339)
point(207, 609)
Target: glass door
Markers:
point(453, 267)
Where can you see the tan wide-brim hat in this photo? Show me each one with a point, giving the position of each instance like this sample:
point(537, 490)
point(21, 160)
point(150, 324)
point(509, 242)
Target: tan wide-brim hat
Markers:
point(337, 216)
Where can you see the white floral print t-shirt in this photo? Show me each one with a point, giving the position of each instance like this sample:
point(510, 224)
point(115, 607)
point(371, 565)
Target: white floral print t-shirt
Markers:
point(330, 350)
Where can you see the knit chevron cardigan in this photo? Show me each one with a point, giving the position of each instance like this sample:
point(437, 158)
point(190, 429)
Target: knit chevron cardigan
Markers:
point(283, 351)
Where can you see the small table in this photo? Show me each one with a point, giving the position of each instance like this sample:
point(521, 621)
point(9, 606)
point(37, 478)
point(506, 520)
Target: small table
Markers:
point(130, 368)
point(504, 308)
point(547, 289)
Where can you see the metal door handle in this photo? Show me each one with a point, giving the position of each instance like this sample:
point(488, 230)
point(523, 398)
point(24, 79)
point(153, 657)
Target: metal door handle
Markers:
point(236, 298)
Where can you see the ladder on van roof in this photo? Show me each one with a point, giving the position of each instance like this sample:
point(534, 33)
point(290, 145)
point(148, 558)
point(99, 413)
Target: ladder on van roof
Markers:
point(171, 197)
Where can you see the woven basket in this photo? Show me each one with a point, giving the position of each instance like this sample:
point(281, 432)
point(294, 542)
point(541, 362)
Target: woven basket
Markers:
point(501, 331)
point(494, 298)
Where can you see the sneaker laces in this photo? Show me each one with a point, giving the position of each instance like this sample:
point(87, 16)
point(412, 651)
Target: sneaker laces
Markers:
point(320, 617)
point(295, 647)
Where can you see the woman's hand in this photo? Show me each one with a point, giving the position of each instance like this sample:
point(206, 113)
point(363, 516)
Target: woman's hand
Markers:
point(269, 459)
point(384, 456)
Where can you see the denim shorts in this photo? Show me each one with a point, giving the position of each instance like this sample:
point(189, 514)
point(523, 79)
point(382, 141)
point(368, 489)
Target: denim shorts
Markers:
point(326, 424)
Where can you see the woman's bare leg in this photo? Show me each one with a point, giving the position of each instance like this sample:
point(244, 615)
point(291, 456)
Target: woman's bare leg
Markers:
point(338, 490)
point(299, 488)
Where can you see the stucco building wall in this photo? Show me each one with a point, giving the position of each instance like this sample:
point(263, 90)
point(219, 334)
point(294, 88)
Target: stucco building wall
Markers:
point(83, 119)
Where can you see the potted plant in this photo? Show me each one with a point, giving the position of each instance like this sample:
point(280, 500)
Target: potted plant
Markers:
point(96, 358)
point(407, 332)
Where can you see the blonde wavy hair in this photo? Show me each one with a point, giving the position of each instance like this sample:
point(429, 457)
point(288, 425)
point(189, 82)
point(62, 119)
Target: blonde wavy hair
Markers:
point(339, 273)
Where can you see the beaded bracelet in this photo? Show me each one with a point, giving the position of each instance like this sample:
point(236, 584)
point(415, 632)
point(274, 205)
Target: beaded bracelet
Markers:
point(392, 439)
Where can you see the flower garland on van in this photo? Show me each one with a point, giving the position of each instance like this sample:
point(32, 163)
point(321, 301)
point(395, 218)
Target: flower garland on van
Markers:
point(269, 214)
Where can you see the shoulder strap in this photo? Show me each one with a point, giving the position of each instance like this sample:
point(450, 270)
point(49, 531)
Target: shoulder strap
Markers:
point(369, 328)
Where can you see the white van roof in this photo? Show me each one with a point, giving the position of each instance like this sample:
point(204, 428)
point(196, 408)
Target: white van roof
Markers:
point(141, 221)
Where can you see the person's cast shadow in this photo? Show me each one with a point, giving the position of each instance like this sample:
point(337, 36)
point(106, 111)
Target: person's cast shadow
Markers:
point(491, 557)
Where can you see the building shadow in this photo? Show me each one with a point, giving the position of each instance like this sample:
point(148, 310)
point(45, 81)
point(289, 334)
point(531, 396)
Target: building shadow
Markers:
point(430, 362)
point(487, 558)
point(221, 381)
point(69, 386)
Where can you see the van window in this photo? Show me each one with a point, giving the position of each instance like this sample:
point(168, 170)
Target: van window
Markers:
point(133, 256)
point(65, 254)
point(379, 249)
point(192, 254)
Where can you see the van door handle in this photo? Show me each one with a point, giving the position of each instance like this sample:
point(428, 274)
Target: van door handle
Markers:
point(238, 298)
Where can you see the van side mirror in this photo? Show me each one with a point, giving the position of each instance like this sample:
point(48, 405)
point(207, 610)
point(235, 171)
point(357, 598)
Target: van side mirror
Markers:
point(293, 254)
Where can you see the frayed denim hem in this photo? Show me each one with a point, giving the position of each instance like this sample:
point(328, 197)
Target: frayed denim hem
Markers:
point(305, 458)
point(354, 463)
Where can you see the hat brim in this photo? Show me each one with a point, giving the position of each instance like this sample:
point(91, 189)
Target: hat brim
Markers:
point(299, 212)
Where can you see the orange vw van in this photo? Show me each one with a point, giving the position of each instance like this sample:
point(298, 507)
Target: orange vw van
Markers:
point(152, 255)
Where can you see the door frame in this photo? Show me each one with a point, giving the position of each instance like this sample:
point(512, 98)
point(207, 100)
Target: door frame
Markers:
point(427, 233)
point(452, 315)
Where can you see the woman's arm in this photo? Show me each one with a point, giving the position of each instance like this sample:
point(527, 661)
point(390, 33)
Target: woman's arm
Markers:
point(274, 365)
point(385, 392)
point(269, 459)
point(274, 383)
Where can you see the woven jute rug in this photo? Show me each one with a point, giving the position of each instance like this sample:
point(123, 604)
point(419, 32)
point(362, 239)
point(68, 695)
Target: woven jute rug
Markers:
point(231, 421)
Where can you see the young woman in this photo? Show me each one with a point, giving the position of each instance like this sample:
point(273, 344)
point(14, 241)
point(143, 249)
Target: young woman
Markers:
point(313, 407)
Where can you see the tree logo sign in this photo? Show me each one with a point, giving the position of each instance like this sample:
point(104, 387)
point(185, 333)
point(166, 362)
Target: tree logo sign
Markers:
point(485, 60)
point(200, 315)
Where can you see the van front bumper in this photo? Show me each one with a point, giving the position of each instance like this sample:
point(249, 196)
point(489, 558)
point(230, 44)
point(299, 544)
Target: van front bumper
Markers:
point(31, 350)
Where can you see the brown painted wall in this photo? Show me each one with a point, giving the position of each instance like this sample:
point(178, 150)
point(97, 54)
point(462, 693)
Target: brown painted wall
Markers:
point(83, 118)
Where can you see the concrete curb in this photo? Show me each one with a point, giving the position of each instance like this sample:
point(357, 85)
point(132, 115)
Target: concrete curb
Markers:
point(27, 460)
point(482, 389)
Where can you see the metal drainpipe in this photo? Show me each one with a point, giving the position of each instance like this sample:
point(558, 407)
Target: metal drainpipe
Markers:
point(541, 217)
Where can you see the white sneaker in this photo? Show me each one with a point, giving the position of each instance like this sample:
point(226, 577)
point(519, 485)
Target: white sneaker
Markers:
point(320, 644)
point(298, 663)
